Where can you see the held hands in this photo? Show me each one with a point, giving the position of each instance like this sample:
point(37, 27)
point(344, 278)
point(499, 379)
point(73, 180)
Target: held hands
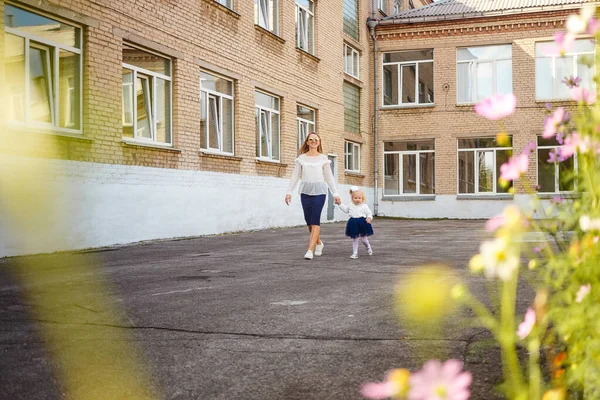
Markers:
point(369, 220)
point(288, 199)
point(337, 200)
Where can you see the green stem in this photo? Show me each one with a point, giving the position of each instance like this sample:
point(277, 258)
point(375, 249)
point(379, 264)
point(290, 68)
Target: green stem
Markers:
point(510, 360)
point(535, 375)
point(482, 313)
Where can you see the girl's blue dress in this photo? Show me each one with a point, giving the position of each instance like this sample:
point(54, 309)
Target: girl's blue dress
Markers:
point(357, 227)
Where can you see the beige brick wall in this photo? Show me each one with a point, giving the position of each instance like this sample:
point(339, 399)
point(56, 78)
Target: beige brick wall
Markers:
point(448, 121)
point(197, 33)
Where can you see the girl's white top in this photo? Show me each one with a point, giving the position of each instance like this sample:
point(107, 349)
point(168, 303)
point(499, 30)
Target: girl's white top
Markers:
point(357, 211)
point(315, 173)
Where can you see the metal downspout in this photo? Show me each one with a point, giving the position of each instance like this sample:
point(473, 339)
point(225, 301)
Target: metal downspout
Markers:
point(372, 22)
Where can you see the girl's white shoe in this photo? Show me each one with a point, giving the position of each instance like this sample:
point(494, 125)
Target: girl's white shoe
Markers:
point(308, 255)
point(370, 251)
point(354, 256)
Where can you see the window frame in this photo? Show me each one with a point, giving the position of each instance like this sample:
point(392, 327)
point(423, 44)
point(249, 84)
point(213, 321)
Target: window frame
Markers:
point(358, 92)
point(225, 3)
point(305, 124)
point(261, 15)
point(473, 94)
point(349, 153)
point(259, 128)
point(557, 190)
point(557, 81)
point(52, 49)
point(385, 73)
point(300, 9)
point(476, 151)
point(418, 168)
point(355, 57)
point(152, 95)
point(218, 96)
point(381, 6)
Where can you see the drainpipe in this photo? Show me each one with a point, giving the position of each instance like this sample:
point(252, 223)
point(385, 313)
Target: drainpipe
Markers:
point(372, 22)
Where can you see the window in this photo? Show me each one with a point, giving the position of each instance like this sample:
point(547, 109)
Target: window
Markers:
point(408, 78)
point(551, 70)
point(351, 61)
point(266, 14)
point(351, 108)
point(381, 5)
point(409, 168)
point(306, 122)
point(350, 12)
point(479, 161)
point(352, 155)
point(267, 126)
point(216, 113)
point(305, 25)
point(146, 96)
point(554, 177)
point(483, 71)
point(226, 3)
point(396, 6)
point(42, 71)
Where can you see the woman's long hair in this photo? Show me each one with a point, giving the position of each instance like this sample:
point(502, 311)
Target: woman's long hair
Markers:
point(304, 148)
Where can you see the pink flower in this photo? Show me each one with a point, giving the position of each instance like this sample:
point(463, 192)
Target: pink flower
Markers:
point(553, 157)
point(552, 122)
point(497, 106)
point(592, 27)
point(572, 81)
point(557, 199)
point(515, 166)
point(395, 384)
point(526, 326)
point(492, 224)
point(440, 381)
point(582, 95)
point(563, 42)
point(569, 147)
point(529, 148)
point(584, 290)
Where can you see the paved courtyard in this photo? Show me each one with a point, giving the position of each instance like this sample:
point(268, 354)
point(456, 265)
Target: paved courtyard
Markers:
point(238, 316)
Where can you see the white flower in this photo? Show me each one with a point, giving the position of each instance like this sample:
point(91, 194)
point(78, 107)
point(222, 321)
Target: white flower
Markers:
point(584, 290)
point(588, 224)
point(577, 24)
point(499, 258)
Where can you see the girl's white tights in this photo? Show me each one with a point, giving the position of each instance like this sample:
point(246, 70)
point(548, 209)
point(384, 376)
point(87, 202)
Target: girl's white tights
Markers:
point(355, 244)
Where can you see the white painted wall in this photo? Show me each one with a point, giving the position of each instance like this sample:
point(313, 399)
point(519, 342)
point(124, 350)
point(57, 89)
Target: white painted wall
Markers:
point(71, 205)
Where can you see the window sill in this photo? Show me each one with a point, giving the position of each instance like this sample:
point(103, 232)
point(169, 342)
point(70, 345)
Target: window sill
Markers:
point(224, 8)
point(353, 80)
point(221, 156)
point(47, 131)
point(406, 197)
point(353, 42)
point(401, 107)
point(570, 101)
point(270, 162)
point(354, 137)
point(307, 54)
point(269, 33)
point(550, 196)
point(131, 142)
point(355, 174)
point(484, 197)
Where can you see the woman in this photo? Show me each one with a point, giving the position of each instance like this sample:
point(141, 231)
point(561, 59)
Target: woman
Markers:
point(313, 166)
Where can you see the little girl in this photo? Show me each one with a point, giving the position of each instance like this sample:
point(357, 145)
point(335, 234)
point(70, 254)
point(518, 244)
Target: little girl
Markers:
point(359, 224)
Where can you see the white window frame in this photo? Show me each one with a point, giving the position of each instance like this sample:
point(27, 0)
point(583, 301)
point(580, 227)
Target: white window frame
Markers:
point(381, 5)
point(351, 149)
point(218, 102)
point(476, 151)
point(349, 61)
point(151, 78)
point(396, 6)
point(226, 3)
point(556, 170)
point(473, 76)
point(305, 126)
point(557, 80)
point(267, 129)
point(262, 17)
point(303, 15)
point(385, 73)
point(52, 50)
point(400, 154)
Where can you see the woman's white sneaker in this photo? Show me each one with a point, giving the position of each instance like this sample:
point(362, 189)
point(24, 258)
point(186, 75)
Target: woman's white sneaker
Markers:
point(319, 249)
point(354, 256)
point(308, 255)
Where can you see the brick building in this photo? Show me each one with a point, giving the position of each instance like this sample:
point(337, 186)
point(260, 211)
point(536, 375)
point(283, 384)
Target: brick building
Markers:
point(157, 119)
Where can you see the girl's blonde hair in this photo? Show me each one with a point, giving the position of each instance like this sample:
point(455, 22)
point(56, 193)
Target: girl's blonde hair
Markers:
point(304, 148)
point(362, 194)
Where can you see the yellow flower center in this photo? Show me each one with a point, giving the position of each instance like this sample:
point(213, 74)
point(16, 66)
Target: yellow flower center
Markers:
point(441, 391)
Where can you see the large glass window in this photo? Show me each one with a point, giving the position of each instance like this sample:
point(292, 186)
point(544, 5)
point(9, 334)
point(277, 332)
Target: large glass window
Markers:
point(483, 71)
point(409, 168)
point(216, 113)
point(352, 156)
point(266, 14)
point(146, 96)
point(305, 25)
point(267, 126)
point(350, 12)
point(306, 122)
point(554, 177)
point(226, 3)
point(408, 78)
point(551, 70)
point(351, 61)
point(351, 108)
point(479, 161)
point(42, 62)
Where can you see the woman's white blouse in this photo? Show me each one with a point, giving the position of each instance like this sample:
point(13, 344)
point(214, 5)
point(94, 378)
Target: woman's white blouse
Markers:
point(357, 211)
point(315, 173)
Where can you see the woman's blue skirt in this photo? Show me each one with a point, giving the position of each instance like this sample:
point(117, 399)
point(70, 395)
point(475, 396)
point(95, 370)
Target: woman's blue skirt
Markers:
point(357, 227)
